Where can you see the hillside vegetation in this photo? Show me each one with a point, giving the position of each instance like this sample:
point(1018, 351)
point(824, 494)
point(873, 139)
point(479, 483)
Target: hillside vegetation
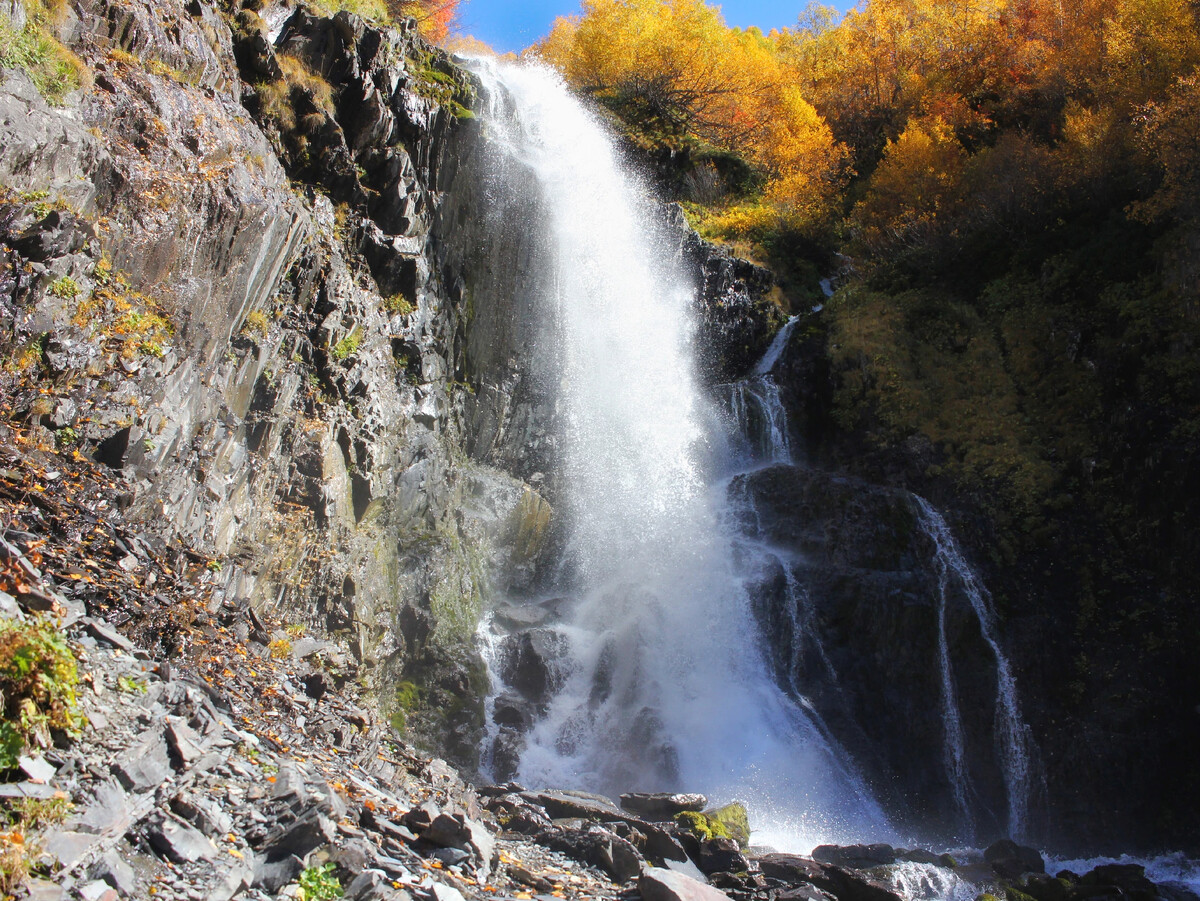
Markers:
point(1009, 190)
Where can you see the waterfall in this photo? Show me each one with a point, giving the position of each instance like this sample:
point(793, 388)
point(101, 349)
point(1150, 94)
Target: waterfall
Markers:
point(664, 684)
point(755, 407)
point(1012, 735)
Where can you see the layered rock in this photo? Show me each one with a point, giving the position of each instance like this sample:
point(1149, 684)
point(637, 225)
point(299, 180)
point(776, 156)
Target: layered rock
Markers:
point(848, 602)
point(232, 277)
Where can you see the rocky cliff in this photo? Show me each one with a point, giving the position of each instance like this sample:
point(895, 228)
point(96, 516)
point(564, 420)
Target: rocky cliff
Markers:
point(251, 265)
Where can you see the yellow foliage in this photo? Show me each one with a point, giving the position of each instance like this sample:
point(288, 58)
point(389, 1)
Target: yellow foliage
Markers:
point(916, 181)
point(675, 69)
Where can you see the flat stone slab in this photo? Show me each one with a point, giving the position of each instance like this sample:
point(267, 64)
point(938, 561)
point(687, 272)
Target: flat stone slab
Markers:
point(660, 806)
point(657, 884)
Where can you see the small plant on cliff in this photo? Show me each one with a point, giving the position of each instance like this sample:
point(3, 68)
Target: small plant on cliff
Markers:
point(347, 347)
point(38, 676)
point(319, 884)
point(65, 288)
point(256, 324)
point(398, 305)
point(276, 99)
point(407, 698)
point(54, 70)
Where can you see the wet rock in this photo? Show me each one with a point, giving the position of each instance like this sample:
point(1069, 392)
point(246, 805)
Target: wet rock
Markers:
point(661, 805)
point(666, 885)
point(803, 893)
point(514, 712)
point(920, 855)
point(1129, 879)
point(1010, 860)
point(855, 857)
point(507, 747)
point(1043, 887)
point(842, 884)
point(721, 854)
point(532, 663)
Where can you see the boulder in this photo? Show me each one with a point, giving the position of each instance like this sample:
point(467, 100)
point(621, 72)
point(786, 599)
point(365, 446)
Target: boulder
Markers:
point(842, 884)
point(657, 884)
point(730, 821)
point(311, 831)
point(1130, 879)
point(595, 846)
point(461, 833)
point(661, 806)
point(564, 804)
point(855, 857)
point(177, 841)
point(531, 662)
point(1010, 860)
point(721, 855)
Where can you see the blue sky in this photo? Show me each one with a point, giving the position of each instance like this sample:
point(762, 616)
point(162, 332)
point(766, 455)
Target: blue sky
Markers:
point(515, 24)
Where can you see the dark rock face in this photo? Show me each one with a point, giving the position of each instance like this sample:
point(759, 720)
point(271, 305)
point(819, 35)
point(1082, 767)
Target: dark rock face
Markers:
point(848, 603)
point(329, 371)
point(736, 318)
point(1011, 860)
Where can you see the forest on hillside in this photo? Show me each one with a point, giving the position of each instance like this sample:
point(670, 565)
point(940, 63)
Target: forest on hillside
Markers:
point(1007, 191)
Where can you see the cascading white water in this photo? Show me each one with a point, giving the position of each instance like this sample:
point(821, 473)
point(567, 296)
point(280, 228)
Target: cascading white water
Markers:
point(667, 686)
point(756, 407)
point(1012, 735)
point(955, 746)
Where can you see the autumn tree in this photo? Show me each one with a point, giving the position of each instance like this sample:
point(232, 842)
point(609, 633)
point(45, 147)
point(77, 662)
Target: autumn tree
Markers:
point(676, 70)
point(435, 18)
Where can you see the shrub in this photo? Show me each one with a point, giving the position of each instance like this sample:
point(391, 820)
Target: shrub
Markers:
point(319, 884)
point(65, 288)
point(38, 676)
point(256, 324)
point(54, 69)
point(398, 305)
point(347, 347)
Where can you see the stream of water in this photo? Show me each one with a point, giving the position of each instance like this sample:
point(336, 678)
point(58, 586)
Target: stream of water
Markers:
point(664, 684)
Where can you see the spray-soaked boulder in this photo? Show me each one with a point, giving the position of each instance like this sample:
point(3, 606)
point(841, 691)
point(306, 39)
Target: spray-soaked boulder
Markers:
point(534, 663)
